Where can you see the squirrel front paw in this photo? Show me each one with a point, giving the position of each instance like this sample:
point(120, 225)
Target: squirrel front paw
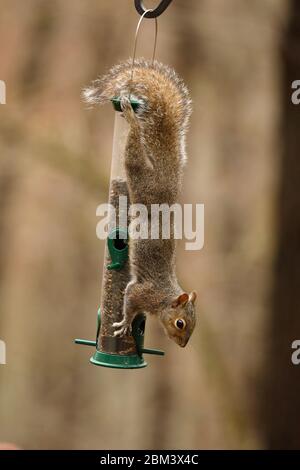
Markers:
point(123, 328)
point(127, 110)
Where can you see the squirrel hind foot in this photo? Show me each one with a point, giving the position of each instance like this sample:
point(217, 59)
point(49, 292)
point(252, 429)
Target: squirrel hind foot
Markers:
point(127, 110)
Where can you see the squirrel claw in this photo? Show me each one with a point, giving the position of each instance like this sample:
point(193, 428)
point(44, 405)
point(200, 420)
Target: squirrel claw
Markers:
point(124, 330)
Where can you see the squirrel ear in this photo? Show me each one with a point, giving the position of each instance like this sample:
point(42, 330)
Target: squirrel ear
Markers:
point(193, 296)
point(181, 300)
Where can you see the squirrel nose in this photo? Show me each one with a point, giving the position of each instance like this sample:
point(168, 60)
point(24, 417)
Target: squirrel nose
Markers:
point(183, 342)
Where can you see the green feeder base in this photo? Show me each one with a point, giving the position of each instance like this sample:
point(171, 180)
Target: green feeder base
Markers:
point(122, 361)
point(117, 361)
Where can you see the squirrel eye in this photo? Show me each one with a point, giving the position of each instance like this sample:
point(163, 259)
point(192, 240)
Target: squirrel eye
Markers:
point(180, 324)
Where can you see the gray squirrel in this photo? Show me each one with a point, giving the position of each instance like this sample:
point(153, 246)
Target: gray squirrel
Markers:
point(154, 161)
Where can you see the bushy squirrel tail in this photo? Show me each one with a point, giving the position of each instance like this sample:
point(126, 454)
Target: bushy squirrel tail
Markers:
point(165, 100)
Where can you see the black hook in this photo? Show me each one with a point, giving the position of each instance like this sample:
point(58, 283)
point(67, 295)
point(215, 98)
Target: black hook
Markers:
point(154, 13)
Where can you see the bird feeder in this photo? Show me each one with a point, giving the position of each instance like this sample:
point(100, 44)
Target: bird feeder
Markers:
point(123, 352)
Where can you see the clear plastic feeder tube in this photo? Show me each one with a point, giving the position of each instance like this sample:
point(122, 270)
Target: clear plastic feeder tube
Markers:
point(116, 275)
point(121, 131)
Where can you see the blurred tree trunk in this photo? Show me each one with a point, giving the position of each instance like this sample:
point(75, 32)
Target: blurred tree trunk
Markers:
point(7, 186)
point(281, 403)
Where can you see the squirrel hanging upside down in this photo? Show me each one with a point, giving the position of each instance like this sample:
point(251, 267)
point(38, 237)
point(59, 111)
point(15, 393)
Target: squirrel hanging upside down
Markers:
point(154, 160)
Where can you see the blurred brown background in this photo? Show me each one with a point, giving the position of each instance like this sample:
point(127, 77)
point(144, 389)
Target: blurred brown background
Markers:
point(234, 385)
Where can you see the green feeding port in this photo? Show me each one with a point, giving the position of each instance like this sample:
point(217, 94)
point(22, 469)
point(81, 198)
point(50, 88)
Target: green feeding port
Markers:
point(118, 361)
point(116, 101)
point(117, 243)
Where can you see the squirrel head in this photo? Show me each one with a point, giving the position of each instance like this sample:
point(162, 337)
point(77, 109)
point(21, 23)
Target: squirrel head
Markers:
point(179, 318)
